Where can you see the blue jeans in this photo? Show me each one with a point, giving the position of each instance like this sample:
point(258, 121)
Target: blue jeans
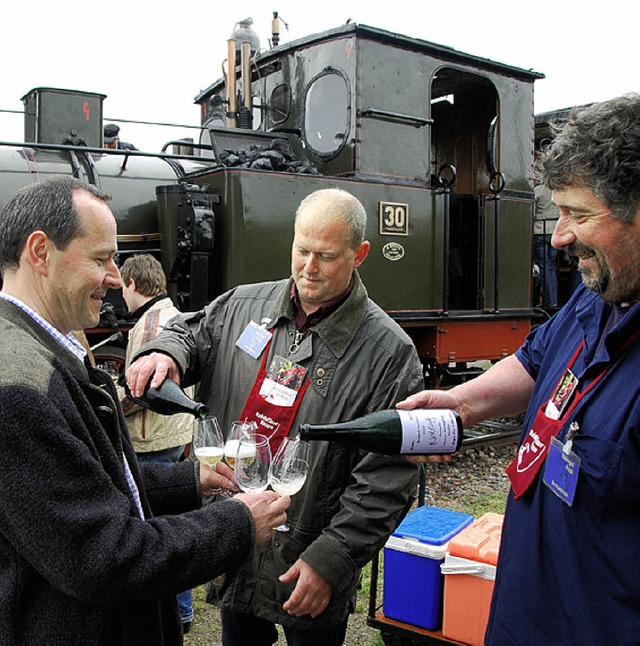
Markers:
point(166, 456)
point(239, 629)
point(544, 255)
point(185, 606)
point(171, 457)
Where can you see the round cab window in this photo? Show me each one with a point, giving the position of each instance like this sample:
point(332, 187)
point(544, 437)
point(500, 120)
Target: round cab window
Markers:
point(326, 117)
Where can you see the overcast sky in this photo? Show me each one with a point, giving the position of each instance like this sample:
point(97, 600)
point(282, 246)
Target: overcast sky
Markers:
point(151, 60)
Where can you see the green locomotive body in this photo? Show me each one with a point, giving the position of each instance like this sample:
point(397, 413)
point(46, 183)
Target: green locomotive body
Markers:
point(437, 144)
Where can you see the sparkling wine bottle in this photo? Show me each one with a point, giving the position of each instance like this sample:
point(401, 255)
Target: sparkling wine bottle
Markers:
point(168, 399)
point(392, 432)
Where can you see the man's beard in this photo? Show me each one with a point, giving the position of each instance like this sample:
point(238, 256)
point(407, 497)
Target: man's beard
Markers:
point(622, 288)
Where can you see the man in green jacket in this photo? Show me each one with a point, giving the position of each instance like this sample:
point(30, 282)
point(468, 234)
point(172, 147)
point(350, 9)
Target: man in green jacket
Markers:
point(354, 359)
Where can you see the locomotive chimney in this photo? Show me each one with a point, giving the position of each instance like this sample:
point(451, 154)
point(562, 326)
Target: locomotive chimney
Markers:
point(247, 45)
point(245, 117)
point(231, 83)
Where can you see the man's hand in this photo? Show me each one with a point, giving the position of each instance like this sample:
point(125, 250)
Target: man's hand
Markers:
point(429, 399)
point(311, 594)
point(157, 364)
point(268, 511)
point(220, 476)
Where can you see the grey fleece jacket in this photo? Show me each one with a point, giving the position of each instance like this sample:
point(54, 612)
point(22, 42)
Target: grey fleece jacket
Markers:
point(77, 563)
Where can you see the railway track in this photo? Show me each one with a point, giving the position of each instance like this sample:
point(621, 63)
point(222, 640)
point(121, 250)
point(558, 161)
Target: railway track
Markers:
point(495, 432)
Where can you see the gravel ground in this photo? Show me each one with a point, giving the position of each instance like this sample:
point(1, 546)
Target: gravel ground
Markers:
point(474, 483)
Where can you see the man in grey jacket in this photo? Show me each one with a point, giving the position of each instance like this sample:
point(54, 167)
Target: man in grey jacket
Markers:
point(93, 548)
point(353, 359)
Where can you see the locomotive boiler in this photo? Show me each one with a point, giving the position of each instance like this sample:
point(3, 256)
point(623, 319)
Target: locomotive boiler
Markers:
point(437, 144)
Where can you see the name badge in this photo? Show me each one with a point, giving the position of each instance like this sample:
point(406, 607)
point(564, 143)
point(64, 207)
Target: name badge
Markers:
point(254, 339)
point(282, 382)
point(561, 471)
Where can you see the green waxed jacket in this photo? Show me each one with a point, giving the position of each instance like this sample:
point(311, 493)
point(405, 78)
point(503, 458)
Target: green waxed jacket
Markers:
point(358, 360)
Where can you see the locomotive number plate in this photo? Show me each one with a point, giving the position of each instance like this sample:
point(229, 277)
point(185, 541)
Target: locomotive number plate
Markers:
point(394, 219)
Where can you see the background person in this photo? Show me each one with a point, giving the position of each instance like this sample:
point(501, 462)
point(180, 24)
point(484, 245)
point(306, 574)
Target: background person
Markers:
point(565, 573)
point(156, 438)
point(546, 215)
point(93, 548)
point(111, 138)
point(355, 360)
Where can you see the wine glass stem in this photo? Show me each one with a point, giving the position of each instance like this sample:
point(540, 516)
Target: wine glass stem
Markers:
point(285, 526)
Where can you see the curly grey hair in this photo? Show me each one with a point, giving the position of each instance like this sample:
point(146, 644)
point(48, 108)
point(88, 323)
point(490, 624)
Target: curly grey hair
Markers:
point(599, 148)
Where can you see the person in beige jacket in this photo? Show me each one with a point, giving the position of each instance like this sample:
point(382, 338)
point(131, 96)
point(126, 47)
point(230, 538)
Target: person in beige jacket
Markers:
point(156, 438)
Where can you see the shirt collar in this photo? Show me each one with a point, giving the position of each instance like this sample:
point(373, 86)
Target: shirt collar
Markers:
point(68, 341)
point(146, 306)
point(303, 320)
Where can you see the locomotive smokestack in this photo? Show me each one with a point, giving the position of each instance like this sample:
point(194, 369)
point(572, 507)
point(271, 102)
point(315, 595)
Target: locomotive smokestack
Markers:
point(231, 83)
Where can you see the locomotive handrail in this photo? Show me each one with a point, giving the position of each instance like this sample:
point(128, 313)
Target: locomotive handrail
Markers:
point(418, 122)
point(105, 151)
point(186, 144)
point(497, 182)
point(446, 189)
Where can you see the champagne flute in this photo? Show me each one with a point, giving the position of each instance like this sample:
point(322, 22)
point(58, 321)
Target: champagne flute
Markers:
point(110, 367)
point(208, 445)
point(252, 461)
point(289, 469)
point(237, 431)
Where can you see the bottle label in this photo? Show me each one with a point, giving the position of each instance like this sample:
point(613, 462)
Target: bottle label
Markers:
point(428, 431)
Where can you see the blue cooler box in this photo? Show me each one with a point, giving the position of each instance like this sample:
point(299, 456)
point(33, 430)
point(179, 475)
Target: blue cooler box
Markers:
point(413, 583)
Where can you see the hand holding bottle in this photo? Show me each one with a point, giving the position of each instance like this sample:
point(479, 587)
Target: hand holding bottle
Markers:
point(429, 399)
point(155, 366)
point(394, 432)
point(168, 399)
point(268, 511)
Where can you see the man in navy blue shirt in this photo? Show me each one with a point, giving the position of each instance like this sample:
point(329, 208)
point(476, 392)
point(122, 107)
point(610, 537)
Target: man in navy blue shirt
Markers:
point(569, 563)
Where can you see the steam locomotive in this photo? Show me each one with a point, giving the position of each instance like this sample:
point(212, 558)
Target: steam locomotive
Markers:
point(437, 144)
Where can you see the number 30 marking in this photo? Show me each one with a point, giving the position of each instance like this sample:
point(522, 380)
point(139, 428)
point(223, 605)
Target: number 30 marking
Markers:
point(394, 219)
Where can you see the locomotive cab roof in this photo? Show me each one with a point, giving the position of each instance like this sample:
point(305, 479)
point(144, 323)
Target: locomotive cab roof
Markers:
point(357, 101)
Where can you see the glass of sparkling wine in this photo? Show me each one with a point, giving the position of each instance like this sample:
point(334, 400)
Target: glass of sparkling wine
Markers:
point(208, 445)
point(252, 461)
point(289, 469)
point(236, 432)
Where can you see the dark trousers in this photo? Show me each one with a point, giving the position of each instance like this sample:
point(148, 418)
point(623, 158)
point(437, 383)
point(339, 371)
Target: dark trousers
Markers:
point(239, 629)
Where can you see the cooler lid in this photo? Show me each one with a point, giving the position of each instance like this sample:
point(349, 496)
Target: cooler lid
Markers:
point(480, 541)
point(417, 548)
point(432, 525)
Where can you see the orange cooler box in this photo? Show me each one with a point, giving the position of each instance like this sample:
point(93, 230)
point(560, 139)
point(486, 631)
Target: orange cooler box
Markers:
point(469, 570)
